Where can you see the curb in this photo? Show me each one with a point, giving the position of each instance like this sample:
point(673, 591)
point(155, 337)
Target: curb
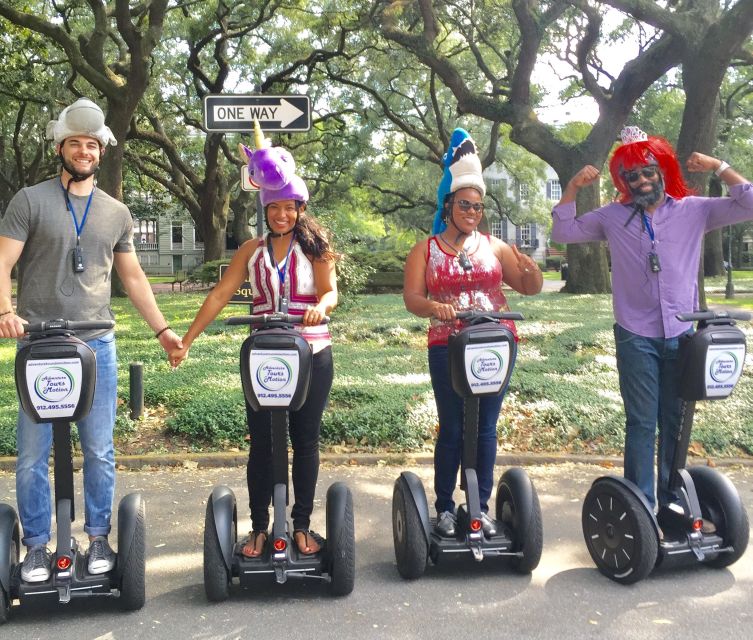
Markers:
point(236, 459)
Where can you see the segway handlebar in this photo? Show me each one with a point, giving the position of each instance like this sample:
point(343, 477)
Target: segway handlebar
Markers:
point(491, 315)
point(68, 325)
point(706, 316)
point(265, 319)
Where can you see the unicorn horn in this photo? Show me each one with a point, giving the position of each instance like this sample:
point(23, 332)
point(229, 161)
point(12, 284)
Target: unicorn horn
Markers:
point(258, 135)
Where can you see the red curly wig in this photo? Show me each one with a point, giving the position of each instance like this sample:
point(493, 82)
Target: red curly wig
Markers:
point(655, 150)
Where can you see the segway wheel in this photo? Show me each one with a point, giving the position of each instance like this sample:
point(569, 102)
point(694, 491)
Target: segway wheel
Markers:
point(216, 575)
point(619, 533)
point(518, 507)
point(411, 550)
point(720, 503)
point(4, 606)
point(132, 584)
point(341, 540)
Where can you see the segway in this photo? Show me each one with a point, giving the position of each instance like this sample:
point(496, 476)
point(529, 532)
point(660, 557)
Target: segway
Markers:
point(276, 366)
point(625, 538)
point(55, 380)
point(480, 357)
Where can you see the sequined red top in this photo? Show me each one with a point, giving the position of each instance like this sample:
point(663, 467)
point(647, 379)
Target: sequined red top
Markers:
point(479, 288)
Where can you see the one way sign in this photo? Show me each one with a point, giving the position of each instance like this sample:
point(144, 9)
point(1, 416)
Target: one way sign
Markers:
point(227, 113)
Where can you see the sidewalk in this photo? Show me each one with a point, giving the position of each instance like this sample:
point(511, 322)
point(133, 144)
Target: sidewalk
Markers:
point(219, 459)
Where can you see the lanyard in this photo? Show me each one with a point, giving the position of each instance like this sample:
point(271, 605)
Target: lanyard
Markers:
point(649, 228)
point(281, 272)
point(79, 228)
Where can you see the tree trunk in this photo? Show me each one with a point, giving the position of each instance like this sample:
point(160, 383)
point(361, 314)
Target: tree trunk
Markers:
point(110, 175)
point(588, 269)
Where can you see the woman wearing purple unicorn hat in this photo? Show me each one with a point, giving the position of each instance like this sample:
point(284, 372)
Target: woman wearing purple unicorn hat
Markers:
point(291, 269)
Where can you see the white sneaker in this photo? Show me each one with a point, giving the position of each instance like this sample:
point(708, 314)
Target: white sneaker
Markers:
point(101, 556)
point(36, 566)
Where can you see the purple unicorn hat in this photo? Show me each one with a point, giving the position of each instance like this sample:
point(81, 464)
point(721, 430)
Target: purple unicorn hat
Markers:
point(272, 169)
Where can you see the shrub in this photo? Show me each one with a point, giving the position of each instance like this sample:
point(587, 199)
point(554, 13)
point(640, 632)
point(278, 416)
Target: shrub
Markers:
point(211, 418)
point(208, 273)
point(381, 260)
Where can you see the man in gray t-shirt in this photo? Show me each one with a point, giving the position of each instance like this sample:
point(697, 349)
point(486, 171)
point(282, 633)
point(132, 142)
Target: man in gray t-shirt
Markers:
point(66, 236)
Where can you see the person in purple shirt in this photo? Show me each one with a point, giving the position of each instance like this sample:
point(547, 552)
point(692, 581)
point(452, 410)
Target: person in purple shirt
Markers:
point(654, 231)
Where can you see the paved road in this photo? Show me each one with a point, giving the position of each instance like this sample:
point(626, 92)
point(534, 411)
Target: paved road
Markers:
point(564, 598)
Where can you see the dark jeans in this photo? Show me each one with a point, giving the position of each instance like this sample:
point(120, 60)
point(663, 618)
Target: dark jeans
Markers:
point(304, 438)
point(449, 448)
point(649, 381)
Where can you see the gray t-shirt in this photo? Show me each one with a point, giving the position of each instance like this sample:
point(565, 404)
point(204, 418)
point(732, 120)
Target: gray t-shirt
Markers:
point(48, 288)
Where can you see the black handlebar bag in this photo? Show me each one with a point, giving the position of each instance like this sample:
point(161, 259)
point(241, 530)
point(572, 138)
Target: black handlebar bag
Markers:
point(480, 358)
point(711, 361)
point(276, 369)
point(56, 378)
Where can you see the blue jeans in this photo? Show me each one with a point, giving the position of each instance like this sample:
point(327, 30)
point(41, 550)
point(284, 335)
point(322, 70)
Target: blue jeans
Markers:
point(95, 433)
point(449, 448)
point(649, 384)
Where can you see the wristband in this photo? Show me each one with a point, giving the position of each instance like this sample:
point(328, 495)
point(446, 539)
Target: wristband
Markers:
point(722, 167)
point(161, 331)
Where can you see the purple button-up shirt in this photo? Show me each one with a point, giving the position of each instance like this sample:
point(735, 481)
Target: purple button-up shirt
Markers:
point(645, 302)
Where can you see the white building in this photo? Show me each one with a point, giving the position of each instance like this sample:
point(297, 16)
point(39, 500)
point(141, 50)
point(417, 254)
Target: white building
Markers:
point(528, 236)
point(167, 245)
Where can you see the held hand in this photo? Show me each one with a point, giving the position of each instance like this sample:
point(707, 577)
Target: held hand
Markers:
point(312, 316)
point(586, 176)
point(12, 326)
point(526, 264)
point(169, 340)
point(177, 355)
point(443, 312)
point(700, 163)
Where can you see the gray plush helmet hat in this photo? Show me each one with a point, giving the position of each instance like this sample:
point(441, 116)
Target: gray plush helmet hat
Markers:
point(82, 118)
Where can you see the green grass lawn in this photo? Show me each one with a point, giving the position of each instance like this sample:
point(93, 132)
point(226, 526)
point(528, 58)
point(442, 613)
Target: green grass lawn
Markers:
point(563, 395)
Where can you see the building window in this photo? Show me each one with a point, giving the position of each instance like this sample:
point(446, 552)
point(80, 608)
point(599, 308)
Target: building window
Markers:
point(144, 232)
point(553, 190)
point(498, 228)
point(497, 186)
point(526, 233)
point(177, 235)
point(524, 194)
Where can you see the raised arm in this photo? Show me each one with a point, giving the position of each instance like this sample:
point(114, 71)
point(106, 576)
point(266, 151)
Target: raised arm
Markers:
point(519, 270)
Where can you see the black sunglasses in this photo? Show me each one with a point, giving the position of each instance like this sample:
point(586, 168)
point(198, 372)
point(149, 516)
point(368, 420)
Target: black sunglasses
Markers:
point(465, 205)
point(647, 172)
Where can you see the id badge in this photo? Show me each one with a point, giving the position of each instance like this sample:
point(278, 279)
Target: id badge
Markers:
point(653, 262)
point(78, 259)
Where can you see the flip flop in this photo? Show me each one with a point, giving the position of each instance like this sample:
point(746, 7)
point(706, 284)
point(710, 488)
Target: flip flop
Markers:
point(249, 547)
point(312, 542)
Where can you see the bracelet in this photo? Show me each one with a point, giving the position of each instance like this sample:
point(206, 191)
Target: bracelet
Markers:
point(722, 168)
point(5, 313)
point(161, 331)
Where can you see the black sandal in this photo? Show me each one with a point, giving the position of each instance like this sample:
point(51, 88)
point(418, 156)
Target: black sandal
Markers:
point(308, 537)
point(250, 542)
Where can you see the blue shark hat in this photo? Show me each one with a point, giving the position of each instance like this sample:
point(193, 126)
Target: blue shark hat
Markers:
point(462, 168)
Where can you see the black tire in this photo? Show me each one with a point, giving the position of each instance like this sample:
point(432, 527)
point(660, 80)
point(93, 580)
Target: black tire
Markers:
point(133, 581)
point(216, 575)
point(341, 545)
point(721, 504)
point(411, 549)
point(518, 507)
point(619, 532)
point(4, 606)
